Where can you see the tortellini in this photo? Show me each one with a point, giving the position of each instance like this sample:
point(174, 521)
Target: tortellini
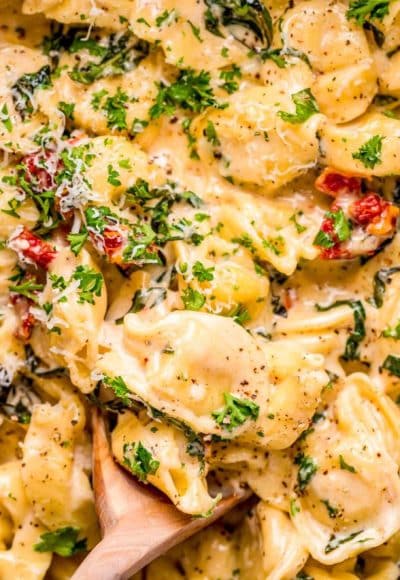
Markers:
point(254, 144)
point(345, 82)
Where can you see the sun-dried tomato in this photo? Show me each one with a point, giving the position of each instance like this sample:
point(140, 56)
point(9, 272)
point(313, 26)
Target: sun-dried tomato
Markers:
point(33, 248)
point(334, 183)
point(368, 208)
point(38, 172)
point(26, 319)
point(113, 240)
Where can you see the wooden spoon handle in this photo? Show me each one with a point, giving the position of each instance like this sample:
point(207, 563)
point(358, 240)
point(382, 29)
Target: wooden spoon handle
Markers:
point(133, 543)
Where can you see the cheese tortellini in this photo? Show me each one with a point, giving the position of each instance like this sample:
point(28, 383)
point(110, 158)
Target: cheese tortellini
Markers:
point(199, 207)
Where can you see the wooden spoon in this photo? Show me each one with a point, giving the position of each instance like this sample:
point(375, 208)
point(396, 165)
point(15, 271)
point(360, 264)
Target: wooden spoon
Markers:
point(138, 524)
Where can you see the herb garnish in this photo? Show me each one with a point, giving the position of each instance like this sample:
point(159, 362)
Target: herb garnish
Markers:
point(370, 153)
point(139, 460)
point(63, 541)
point(235, 412)
point(358, 333)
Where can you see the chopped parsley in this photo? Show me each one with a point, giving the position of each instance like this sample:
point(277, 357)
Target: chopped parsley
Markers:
point(306, 106)
point(202, 273)
point(358, 333)
point(77, 241)
point(67, 109)
point(120, 389)
point(370, 153)
point(211, 134)
point(63, 541)
point(307, 470)
point(5, 118)
point(27, 289)
point(392, 332)
point(192, 299)
point(113, 176)
point(294, 219)
point(341, 230)
point(362, 10)
point(230, 85)
point(140, 461)
point(240, 314)
point(235, 412)
point(90, 283)
point(191, 91)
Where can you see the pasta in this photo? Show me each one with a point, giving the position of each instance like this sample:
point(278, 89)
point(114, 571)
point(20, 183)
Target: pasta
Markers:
point(199, 207)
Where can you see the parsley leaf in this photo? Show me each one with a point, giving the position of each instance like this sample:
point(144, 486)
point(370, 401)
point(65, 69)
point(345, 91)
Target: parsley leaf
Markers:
point(139, 460)
point(394, 332)
point(63, 541)
point(190, 91)
point(306, 106)
point(370, 153)
point(118, 385)
point(5, 118)
point(115, 110)
point(113, 176)
point(235, 412)
point(211, 134)
point(90, 283)
point(332, 511)
point(77, 241)
point(192, 299)
point(67, 109)
point(28, 289)
point(361, 10)
point(240, 315)
point(202, 273)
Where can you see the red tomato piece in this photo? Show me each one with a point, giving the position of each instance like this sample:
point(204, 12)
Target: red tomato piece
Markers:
point(33, 248)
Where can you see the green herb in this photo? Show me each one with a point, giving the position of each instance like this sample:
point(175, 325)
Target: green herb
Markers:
point(394, 333)
point(332, 511)
point(165, 17)
point(381, 278)
point(13, 205)
point(28, 289)
point(303, 576)
point(370, 153)
point(26, 85)
point(113, 176)
point(307, 470)
point(240, 315)
point(123, 54)
point(361, 10)
point(192, 299)
point(249, 21)
point(115, 110)
point(211, 134)
point(190, 91)
point(392, 365)
point(300, 229)
point(229, 76)
point(118, 385)
point(335, 542)
point(138, 126)
point(58, 282)
point(63, 541)
point(202, 273)
point(67, 109)
point(195, 30)
point(90, 283)
point(306, 106)
point(358, 333)
point(235, 412)
point(5, 118)
point(77, 241)
point(97, 99)
point(294, 508)
point(139, 248)
point(276, 245)
point(147, 298)
point(139, 460)
point(346, 466)
point(341, 227)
